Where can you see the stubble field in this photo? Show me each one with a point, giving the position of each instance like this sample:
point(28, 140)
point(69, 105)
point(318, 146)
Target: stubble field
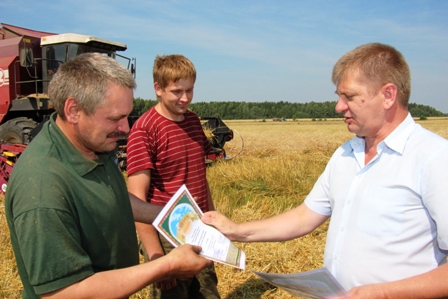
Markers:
point(274, 172)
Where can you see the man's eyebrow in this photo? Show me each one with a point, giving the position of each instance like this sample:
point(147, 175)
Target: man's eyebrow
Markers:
point(340, 92)
point(120, 116)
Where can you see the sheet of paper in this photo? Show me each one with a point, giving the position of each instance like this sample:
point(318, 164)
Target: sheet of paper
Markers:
point(180, 223)
point(314, 284)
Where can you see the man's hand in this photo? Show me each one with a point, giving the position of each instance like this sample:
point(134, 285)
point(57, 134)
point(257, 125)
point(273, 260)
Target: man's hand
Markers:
point(226, 226)
point(370, 291)
point(185, 261)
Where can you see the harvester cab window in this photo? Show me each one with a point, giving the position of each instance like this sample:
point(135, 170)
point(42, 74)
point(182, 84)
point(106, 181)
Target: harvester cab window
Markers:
point(77, 49)
point(52, 65)
point(53, 57)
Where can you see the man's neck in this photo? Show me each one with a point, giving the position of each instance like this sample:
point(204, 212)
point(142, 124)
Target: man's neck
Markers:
point(171, 116)
point(389, 126)
point(68, 130)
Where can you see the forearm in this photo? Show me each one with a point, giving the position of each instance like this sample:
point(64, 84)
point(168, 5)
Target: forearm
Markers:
point(143, 212)
point(432, 284)
point(119, 283)
point(138, 186)
point(282, 227)
point(425, 286)
point(182, 262)
point(150, 240)
point(211, 205)
point(286, 226)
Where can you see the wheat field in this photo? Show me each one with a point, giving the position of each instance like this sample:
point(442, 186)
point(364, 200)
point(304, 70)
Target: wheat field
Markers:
point(273, 172)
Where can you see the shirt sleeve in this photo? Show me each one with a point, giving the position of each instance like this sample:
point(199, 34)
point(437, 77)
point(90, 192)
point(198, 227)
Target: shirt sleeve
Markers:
point(51, 249)
point(139, 149)
point(317, 199)
point(321, 199)
point(434, 180)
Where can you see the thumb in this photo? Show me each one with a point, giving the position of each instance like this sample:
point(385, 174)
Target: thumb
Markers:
point(208, 217)
point(196, 248)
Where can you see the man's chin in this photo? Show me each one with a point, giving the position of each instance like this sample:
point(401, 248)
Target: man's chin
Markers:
point(182, 111)
point(352, 128)
point(108, 147)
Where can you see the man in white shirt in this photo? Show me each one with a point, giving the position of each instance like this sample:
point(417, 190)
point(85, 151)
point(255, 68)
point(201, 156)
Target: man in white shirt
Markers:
point(386, 190)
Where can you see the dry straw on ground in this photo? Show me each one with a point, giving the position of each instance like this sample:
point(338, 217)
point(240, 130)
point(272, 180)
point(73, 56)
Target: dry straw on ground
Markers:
point(277, 168)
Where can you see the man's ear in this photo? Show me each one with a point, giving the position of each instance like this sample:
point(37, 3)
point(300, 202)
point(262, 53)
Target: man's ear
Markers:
point(71, 110)
point(389, 91)
point(157, 89)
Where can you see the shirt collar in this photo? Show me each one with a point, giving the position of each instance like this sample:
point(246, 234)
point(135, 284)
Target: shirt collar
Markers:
point(79, 162)
point(396, 140)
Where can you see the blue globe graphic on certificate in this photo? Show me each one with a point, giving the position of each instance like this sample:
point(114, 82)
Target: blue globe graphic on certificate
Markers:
point(181, 220)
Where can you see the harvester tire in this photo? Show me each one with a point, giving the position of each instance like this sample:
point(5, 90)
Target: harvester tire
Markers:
point(17, 130)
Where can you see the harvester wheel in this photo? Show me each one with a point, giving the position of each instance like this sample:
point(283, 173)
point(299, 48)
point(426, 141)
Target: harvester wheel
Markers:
point(17, 130)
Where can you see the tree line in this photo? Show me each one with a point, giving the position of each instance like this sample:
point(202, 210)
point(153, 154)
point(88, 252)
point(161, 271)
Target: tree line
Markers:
point(269, 110)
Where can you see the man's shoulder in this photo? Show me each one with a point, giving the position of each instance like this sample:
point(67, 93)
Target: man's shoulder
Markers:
point(192, 119)
point(149, 119)
point(36, 153)
point(191, 115)
point(39, 160)
point(425, 139)
point(38, 182)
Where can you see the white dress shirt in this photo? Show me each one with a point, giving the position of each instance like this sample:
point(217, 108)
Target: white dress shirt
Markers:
point(389, 218)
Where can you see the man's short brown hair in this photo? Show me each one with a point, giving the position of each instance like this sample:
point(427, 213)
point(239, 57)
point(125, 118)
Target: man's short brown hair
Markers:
point(379, 64)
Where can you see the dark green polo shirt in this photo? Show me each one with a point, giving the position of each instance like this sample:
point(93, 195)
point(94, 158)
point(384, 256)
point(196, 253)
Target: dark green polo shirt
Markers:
point(69, 216)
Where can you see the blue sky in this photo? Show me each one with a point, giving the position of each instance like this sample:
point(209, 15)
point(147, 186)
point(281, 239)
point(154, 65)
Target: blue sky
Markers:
point(257, 51)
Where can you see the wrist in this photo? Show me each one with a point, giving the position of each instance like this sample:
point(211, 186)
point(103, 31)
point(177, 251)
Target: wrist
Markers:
point(155, 255)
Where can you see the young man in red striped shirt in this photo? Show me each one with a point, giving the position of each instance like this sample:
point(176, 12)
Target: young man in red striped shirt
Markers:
point(166, 148)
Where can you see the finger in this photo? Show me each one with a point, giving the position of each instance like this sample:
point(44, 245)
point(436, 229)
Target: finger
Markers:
point(196, 248)
point(208, 217)
point(166, 287)
point(167, 284)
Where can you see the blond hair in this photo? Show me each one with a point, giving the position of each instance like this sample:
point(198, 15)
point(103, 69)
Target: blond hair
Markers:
point(172, 68)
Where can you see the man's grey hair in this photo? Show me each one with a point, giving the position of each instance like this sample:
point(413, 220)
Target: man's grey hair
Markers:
point(86, 79)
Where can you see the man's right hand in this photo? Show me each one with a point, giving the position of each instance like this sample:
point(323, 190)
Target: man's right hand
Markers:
point(226, 226)
point(185, 261)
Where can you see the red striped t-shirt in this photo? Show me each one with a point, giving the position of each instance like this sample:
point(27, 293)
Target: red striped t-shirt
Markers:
point(173, 151)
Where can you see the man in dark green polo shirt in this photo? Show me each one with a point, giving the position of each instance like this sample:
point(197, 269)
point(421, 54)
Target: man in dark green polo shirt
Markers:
point(70, 217)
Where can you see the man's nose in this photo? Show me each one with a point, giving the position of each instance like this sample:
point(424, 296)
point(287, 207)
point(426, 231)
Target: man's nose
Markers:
point(184, 97)
point(341, 105)
point(123, 125)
